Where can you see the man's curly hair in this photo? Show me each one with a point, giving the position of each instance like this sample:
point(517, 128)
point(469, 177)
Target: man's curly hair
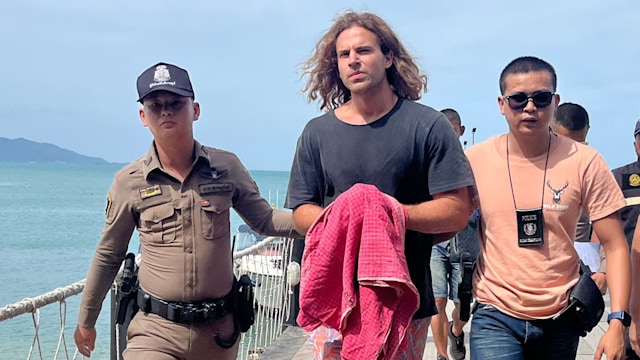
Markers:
point(324, 82)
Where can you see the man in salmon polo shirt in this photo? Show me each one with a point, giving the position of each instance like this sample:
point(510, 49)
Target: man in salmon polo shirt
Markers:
point(532, 186)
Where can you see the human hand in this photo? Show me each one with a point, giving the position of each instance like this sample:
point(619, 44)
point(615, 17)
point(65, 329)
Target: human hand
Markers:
point(612, 342)
point(85, 340)
point(601, 280)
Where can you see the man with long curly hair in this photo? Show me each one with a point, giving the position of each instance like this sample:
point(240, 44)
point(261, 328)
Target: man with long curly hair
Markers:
point(373, 132)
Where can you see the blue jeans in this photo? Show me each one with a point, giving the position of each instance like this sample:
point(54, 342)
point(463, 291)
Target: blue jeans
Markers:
point(445, 275)
point(495, 335)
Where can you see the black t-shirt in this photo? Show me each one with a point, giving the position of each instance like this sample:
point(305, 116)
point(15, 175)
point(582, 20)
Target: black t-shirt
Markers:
point(410, 153)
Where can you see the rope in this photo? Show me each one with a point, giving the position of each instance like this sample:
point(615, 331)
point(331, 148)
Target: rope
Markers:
point(30, 305)
point(61, 340)
point(35, 315)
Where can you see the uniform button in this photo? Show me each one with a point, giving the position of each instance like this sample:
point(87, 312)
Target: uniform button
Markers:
point(189, 283)
point(189, 250)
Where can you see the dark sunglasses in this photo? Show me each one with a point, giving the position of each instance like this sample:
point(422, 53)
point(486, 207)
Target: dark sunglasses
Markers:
point(520, 100)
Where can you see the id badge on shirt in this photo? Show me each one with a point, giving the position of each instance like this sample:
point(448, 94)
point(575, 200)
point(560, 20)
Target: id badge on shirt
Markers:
point(529, 227)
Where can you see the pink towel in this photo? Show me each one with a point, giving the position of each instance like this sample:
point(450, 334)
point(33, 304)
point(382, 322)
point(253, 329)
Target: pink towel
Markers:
point(354, 274)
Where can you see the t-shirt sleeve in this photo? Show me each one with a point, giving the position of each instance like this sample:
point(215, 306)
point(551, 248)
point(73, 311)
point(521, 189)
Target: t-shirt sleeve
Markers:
point(449, 168)
point(602, 195)
point(306, 173)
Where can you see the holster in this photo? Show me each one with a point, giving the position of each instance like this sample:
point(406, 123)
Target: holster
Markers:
point(244, 314)
point(126, 306)
point(245, 303)
point(127, 291)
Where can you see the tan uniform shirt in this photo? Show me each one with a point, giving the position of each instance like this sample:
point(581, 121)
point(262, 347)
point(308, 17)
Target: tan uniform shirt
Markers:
point(184, 228)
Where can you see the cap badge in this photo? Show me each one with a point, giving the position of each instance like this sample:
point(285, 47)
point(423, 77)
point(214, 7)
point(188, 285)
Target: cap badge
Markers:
point(161, 76)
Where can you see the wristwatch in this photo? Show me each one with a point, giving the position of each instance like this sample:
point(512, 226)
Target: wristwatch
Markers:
point(623, 316)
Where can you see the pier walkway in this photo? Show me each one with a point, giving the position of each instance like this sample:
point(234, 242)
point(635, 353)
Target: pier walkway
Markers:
point(292, 343)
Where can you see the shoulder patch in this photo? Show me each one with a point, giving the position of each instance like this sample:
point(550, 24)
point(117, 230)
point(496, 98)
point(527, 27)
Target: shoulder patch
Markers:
point(630, 181)
point(150, 191)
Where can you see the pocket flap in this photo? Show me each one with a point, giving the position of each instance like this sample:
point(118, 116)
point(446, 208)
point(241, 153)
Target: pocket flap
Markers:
point(218, 205)
point(158, 213)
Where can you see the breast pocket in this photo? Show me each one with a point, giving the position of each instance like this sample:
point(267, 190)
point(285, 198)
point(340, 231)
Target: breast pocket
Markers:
point(214, 215)
point(158, 223)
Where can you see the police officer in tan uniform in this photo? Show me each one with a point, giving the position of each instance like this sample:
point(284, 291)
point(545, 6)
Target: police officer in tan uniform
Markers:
point(178, 197)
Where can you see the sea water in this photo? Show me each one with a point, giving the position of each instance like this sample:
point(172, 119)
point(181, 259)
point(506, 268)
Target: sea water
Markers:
point(51, 218)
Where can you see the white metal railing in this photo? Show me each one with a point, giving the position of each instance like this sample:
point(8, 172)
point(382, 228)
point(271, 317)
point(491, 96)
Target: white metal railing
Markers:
point(269, 265)
point(267, 262)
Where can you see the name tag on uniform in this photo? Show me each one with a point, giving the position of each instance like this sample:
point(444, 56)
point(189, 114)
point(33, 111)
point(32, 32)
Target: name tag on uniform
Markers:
point(150, 191)
point(217, 188)
point(529, 227)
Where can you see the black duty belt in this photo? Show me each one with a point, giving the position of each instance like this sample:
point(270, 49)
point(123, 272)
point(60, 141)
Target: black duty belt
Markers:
point(187, 313)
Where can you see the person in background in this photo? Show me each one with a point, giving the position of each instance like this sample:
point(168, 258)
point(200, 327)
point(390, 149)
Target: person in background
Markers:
point(532, 185)
point(374, 132)
point(634, 300)
point(445, 278)
point(178, 196)
point(572, 121)
point(628, 178)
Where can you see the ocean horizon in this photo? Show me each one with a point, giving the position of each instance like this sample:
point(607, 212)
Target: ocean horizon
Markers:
point(52, 216)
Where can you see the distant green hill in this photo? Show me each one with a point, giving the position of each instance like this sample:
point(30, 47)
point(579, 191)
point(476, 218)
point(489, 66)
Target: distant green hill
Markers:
point(23, 150)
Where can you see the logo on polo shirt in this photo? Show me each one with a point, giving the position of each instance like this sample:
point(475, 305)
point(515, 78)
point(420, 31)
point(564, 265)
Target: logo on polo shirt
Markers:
point(557, 192)
point(161, 77)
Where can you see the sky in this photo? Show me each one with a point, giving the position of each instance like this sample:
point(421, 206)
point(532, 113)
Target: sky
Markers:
point(69, 67)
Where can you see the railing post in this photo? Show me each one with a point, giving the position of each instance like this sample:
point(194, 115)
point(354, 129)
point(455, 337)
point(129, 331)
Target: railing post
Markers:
point(294, 305)
point(114, 314)
point(118, 344)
